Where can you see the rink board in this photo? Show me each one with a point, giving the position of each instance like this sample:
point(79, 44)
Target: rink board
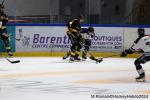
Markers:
point(61, 54)
point(51, 39)
point(54, 39)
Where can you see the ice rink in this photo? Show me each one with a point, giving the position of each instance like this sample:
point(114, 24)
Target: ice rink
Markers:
point(45, 78)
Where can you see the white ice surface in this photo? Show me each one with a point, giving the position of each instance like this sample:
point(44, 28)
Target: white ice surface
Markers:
point(45, 78)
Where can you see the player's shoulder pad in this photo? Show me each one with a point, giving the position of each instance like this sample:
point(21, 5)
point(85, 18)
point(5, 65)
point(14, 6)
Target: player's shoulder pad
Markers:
point(145, 37)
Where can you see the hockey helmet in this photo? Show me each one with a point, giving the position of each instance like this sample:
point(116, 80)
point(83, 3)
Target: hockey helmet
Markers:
point(81, 18)
point(141, 32)
point(91, 29)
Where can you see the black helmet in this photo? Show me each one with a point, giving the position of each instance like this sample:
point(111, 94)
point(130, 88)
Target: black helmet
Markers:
point(141, 32)
point(91, 29)
point(80, 17)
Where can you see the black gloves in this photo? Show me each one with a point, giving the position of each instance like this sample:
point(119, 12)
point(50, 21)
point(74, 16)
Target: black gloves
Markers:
point(126, 52)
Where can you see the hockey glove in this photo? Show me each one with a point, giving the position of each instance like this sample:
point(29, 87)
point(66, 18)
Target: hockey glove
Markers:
point(126, 52)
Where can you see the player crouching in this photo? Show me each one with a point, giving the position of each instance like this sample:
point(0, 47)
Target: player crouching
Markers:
point(141, 43)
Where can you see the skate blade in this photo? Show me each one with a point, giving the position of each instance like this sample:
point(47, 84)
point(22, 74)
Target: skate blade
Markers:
point(83, 59)
point(141, 80)
point(71, 61)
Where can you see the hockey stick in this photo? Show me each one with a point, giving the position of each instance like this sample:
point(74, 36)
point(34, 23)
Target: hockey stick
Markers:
point(11, 61)
point(101, 59)
point(110, 56)
point(93, 58)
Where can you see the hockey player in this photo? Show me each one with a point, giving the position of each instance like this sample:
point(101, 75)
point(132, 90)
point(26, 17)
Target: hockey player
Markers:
point(74, 27)
point(88, 34)
point(3, 31)
point(141, 43)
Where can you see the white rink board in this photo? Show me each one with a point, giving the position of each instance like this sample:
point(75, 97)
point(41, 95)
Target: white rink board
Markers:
point(130, 35)
point(108, 39)
point(54, 38)
point(41, 38)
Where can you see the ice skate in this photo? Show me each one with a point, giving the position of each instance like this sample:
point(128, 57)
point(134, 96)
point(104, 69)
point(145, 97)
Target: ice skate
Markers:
point(140, 79)
point(71, 59)
point(65, 57)
point(84, 59)
point(10, 54)
point(77, 58)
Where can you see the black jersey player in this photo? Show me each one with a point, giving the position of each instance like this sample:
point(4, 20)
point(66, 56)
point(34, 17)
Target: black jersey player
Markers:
point(74, 28)
point(3, 31)
point(87, 35)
